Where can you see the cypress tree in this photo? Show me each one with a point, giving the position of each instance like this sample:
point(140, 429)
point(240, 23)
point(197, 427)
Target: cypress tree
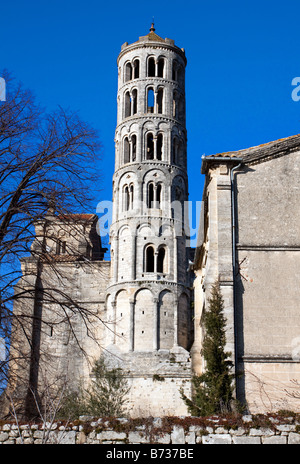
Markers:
point(213, 390)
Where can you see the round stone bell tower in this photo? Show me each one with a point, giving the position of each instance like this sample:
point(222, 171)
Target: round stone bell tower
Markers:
point(148, 299)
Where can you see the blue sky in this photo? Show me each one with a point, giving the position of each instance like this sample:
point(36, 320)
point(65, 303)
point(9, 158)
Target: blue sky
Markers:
point(242, 57)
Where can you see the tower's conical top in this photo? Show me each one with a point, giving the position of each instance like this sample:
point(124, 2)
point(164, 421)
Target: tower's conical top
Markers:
point(151, 38)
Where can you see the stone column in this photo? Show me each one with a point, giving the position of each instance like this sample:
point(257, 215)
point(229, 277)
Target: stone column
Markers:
point(155, 101)
point(116, 257)
point(155, 323)
point(131, 326)
point(139, 146)
point(155, 261)
point(114, 320)
point(139, 197)
point(154, 147)
point(133, 255)
point(175, 321)
point(175, 266)
point(168, 148)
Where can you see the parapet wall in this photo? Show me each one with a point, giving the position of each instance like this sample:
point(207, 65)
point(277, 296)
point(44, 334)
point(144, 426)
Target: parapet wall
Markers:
point(260, 429)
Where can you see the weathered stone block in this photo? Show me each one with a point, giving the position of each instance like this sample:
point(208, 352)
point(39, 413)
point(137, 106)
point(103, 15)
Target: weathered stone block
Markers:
point(246, 440)
point(237, 432)
point(286, 428)
point(3, 436)
point(81, 438)
point(163, 439)
point(111, 435)
point(190, 438)
point(274, 440)
point(136, 437)
point(177, 436)
point(221, 430)
point(64, 438)
point(28, 441)
point(261, 432)
point(216, 439)
point(293, 438)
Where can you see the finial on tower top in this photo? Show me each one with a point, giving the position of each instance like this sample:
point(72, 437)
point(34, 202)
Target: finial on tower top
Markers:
point(152, 28)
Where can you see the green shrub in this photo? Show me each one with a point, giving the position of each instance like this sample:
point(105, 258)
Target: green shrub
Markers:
point(105, 397)
point(213, 390)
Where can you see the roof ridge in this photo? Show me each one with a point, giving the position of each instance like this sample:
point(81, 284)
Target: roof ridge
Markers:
point(232, 154)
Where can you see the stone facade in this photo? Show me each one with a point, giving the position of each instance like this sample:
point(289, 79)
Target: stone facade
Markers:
point(136, 309)
point(59, 307)
point(148, 298)
point(249, 240)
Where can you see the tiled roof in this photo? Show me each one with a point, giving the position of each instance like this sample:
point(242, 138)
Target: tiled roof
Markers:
point(77, 217)
point(269, 149)
point(152, 36)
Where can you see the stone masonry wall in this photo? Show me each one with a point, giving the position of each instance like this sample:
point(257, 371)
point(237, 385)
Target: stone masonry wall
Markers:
point(267, 290)
point(260, 429)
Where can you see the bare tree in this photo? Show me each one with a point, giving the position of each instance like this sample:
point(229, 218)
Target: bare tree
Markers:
point(47, 162)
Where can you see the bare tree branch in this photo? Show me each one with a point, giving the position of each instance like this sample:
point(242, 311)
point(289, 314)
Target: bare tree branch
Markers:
point(48, 163)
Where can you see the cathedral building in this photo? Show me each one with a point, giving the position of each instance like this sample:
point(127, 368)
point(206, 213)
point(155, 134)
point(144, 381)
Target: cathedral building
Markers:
point(148, 296)
point(249, 240)
point(135, 310)
point(142, 311)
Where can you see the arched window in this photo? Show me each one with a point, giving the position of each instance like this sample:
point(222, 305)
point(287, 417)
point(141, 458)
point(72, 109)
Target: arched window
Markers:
point(160, 67)
point(154, 195)
point(134, 101)
point(127, 105)
point(128, 72)
point(131, 197)
point(180, 75)
point(133, 144)
point(150, 147)
point(151, 67)
point(181, 108)
point(61, 247)
point(174, 151)
point(126, 151)
point(136, 69)
point(180, 153)
point(150, 195)
point(158, 196)
point(149, 259)
point(159, 147)
point(175, 105)
point(161, 260)
point(174, 70)
point(126, 198)
point(155, 261)
point(150, 100)
point(160, 98)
